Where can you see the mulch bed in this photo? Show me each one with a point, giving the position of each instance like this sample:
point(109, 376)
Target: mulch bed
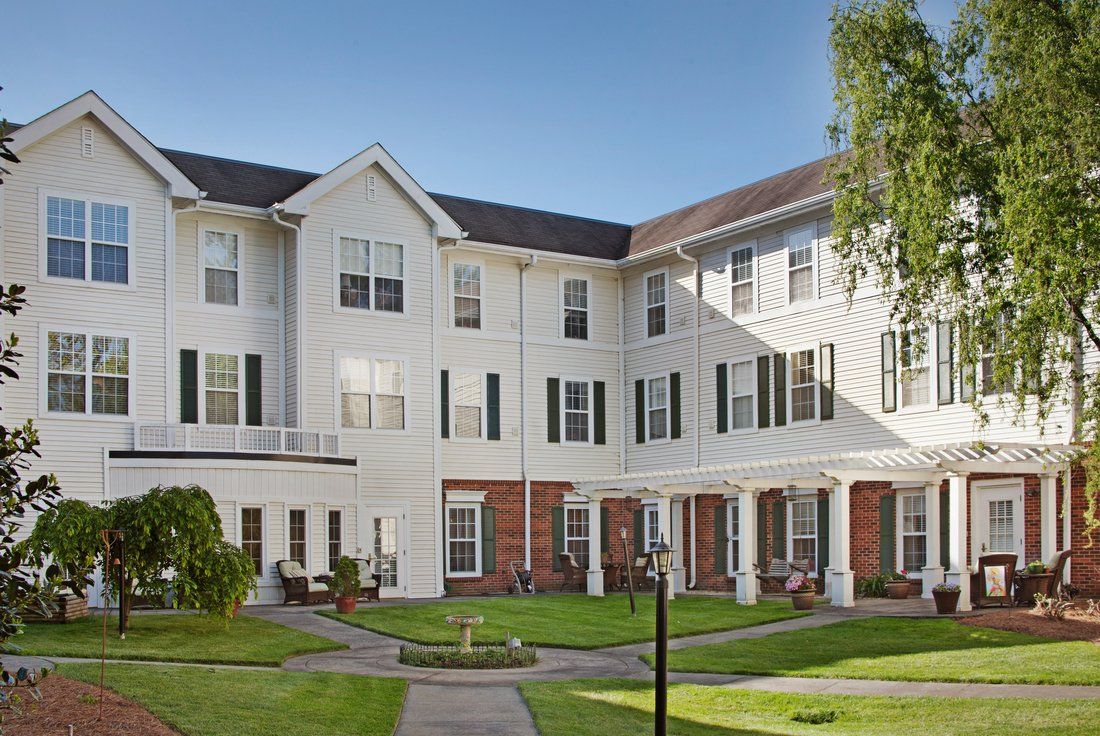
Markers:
point(1076, 626)
point(62, 706)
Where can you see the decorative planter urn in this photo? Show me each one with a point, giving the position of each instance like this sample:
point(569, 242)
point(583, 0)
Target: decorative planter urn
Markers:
point(946, 601)
point(803, 600)
point(897, 589)
point(345, 603)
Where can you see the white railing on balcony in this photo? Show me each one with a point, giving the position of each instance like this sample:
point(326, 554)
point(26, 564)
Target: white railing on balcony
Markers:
point(226, 438)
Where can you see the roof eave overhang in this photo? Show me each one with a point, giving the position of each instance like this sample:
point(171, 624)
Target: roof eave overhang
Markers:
point(521, 252)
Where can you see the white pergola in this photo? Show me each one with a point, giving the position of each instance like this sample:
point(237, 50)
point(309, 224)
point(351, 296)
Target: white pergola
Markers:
point(928, 465)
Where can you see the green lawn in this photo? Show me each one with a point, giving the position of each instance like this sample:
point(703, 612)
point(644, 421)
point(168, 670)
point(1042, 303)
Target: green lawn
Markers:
point(901, 649)
point(175, 638)
point(625, 708)
point(570, 621)
point(206, 701)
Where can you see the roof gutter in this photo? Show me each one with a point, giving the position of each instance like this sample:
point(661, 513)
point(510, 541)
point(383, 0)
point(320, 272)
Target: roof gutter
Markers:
point(512, 250)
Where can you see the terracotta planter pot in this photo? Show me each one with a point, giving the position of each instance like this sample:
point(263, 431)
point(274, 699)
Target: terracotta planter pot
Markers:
point(945, 602)
point(803, 600)
point(345, 604)
point(897, 589)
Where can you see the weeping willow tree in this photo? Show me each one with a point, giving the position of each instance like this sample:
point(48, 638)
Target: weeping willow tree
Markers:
point(968, 190)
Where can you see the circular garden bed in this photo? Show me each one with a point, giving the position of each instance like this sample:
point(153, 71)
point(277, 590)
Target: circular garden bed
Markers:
point(454, 657)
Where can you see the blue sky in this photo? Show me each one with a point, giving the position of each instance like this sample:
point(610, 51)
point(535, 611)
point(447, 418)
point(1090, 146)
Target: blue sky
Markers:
point(614, 110)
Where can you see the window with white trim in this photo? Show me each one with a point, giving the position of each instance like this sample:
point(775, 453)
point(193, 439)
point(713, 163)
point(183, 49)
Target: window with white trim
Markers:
point(463, 539)
point(803, 385)
point(576, 534)
point(87, 374)
point(800, 265)
point(372, 392)
point(657, 415)
point(81, 232)
point(577, 410)
point(656, 303)
point(742, 395)
point(913, 539)
point(372, 274)
point(733, 532)
point(334, 533)
point(466, 286)
point(915, 374)
point(652, 526)
point(297, 526)
point(469, 404)
point(802, 531)
point(742, 281)
point(575, 308)
point(221, 263)
point(222, 386)
point(252, 536)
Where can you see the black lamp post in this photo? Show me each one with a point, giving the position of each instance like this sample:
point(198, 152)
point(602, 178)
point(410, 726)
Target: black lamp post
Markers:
point(629, 572)
point(660, 556)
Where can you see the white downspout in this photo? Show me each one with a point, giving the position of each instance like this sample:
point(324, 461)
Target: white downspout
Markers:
point(695, 328)
point(170, 302)
point(437, 437)
point(523, 408)
point(622, 375)
point(300, 262)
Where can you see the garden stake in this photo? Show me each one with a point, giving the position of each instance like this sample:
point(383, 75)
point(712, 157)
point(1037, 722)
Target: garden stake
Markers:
point(629, 576)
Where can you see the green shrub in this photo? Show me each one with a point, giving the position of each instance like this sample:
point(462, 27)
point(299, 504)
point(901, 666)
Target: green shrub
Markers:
point(454, 657)
point(816, 717)
point(873, 586)
point(345, 579)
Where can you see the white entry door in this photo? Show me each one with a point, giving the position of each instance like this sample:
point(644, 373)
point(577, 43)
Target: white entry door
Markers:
point(386, 545)
point(998, 519)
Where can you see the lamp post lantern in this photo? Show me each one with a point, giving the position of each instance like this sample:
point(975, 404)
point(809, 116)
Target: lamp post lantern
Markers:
point(660, 556)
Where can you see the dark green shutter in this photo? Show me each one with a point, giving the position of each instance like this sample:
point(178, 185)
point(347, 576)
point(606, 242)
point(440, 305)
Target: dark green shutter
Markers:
point(762, 535)
point(945, 530)
point(605, 530)
point(779, 530)
point(639, 412)
point(889, 372)
point(822, 536)
point(488, 540)
point(253, 391)
point(492, 405)
point(779, 364)
point(639, 533)
point(763, 392)
point(553, 412)
point(827, 381)
point(674, 404)
point(189, 386)
point(599, 417)
point(721, 542)
point(721, 381)
point(945, 366)
point(444, 405)
point(557, 534)
point(886, 528)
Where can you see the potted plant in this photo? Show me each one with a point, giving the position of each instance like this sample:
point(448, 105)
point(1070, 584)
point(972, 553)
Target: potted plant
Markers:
point(345, 585)
point(1036, 567)
point(946, 596)
point(802, 591)
point(897, 587)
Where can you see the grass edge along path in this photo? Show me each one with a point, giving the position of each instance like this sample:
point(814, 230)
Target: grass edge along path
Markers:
point(201, 701)
point(618, 707)
point(176, 637)
point(566, 621)
point(918, 650)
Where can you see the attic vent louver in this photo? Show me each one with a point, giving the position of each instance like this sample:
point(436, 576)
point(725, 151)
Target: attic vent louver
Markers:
point(372, 188)
point(87, 142)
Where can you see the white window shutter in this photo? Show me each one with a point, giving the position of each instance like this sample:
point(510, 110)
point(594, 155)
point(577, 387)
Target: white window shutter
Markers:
point(87, 142)
point(372, 188)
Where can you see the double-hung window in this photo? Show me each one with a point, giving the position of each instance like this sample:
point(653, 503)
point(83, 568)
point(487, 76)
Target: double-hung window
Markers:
point(800, 265)
point(222, 386)
point(252, 536)
point(656, 302)
point(463, 533)
point(802, 531)
point(469, 405)
point(803, 382)
point(742, 280)
point(575, 308)
point(372, 274)
point(743, 395)
point(87, 373)
point(577, 410)
point(334, 532)
point(297, 526)
point(733, 532)
point(576, 534)
point(87, 240)
point(466, 286)
point(915, 375)
point(372, 392)
point(221, 263)
point(913, 528)
point(657, 414)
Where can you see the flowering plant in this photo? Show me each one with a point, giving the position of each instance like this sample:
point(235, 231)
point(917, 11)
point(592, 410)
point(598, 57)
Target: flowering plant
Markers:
point(946, 588)
point(899, 576)
point(799, 584)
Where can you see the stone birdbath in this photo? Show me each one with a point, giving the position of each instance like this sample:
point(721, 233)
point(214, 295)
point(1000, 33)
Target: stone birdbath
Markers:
point(467, 623)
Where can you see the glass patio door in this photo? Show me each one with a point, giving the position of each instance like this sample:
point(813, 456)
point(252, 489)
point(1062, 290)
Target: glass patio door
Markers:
point(386, 540)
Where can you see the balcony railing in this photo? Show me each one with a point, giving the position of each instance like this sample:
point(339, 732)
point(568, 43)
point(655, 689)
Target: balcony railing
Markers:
point(228, 438)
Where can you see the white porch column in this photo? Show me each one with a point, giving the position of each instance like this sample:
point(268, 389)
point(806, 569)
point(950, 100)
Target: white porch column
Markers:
point(595, 572)
point(832, 548)
point(678, 577)
point(958, 529)
point(933, 570)
point(664, 526)
point(843, 588)
point(1048, 517)
point(1067, 519)
point(746, 547)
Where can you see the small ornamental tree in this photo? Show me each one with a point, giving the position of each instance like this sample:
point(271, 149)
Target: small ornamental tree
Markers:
point(229, 579)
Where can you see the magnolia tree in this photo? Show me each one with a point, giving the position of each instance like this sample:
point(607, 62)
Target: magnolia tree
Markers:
point(970, 189)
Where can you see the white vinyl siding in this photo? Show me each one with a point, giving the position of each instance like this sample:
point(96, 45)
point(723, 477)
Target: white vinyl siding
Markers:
point(463, 540)
point(575, 314)
point(802, 531)
point(86, 239)
point(221, 255)
point(656, 302)
point(87, 374)
point(576, 411)
point(466, 295)
point(576, 534)
point(742, 265)
point(801, 279)
point(371, 274)
point(371, 392)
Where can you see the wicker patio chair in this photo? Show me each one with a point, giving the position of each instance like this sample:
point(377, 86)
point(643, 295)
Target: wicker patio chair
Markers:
point(639, 574)
point(572, 573)
point(1005, 577)
point(369, 581)
point(299, 587)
